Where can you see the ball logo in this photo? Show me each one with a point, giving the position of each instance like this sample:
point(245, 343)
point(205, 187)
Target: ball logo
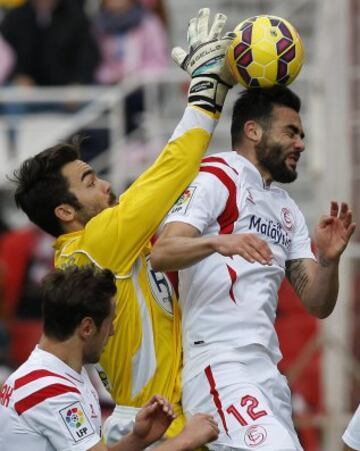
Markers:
point(287, 219)
point(255, 436)
point(75, 417)
point(266, 51)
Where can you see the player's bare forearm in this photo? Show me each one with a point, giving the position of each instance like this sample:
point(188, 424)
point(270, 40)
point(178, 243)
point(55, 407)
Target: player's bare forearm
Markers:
point(316, 284)
point(179, 252)
point(180, 246)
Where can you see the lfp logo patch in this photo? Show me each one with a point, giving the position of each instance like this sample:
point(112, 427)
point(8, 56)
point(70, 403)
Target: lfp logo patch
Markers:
point(182, 204)
point(76, 421)
point(75, 417)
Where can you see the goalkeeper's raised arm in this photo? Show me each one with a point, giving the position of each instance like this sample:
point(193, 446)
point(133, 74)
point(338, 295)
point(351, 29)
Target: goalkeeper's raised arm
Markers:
point(180, 159)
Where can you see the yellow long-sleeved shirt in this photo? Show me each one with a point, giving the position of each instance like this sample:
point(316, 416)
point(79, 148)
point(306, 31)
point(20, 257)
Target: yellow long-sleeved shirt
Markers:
point(144, 355)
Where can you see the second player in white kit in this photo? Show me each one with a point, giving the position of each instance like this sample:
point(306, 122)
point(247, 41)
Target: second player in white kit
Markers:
point(235, 235)
point(50, 406)
point(230, 344)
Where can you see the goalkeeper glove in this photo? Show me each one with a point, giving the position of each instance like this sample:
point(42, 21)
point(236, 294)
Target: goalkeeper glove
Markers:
point(205, 61)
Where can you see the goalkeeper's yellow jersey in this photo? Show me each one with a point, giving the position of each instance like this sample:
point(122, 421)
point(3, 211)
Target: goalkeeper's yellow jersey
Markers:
point(144, 355)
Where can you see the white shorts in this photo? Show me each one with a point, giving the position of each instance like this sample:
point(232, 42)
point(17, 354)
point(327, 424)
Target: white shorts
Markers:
point(249, 398)
point(119, 424)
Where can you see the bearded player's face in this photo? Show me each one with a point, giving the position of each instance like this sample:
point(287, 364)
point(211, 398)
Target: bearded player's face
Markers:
point(281, 144)
point(93, 193)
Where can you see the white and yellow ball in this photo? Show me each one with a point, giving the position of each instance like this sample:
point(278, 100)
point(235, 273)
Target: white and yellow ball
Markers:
point(266, 51)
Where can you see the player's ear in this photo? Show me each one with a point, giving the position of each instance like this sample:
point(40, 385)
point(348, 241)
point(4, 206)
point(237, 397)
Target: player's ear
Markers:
point(65, 213)
point(87, 327)
point(253, 131)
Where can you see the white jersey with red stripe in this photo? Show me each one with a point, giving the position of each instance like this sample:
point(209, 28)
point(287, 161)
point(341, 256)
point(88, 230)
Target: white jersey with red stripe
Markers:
point(226, 302)
point(45, 405)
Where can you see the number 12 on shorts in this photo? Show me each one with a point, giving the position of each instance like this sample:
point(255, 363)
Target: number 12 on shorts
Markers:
point(250, 405)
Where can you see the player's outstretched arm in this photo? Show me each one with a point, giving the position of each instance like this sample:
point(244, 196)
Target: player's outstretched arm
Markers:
point(180, 245)
point(317, 283)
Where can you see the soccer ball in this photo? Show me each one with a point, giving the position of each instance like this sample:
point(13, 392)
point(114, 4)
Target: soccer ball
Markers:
point(266, 51)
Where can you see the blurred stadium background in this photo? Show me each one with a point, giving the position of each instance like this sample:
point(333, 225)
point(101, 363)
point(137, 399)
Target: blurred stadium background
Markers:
point(321, 358)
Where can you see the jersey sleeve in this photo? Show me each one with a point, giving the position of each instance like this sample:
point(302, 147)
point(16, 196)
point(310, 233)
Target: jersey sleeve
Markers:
point(301, 243)
point(116, 237)
point(352, 434)
point(201, 203)
point(65, 421)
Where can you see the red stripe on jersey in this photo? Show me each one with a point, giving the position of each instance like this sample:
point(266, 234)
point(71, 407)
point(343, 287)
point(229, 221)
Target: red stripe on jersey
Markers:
point(215, 395)
point(34, 375)
point(218, 160)
point(230, 214)
point(41, 395)
point(233, 276)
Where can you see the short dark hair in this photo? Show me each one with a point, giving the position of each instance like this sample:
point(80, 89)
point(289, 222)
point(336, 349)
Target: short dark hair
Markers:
point(40, 186)
point(258, 104)
point(73, 293)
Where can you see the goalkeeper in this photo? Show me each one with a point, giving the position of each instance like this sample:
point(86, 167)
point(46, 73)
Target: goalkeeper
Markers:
point(63, 196)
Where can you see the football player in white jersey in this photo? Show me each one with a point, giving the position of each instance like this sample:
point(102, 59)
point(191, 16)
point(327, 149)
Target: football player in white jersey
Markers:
point(351, 435)
point(234, 235)
point(49, 403)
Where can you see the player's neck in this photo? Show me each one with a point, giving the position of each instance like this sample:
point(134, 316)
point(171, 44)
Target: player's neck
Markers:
point(67, 351)
point(73, 226)
point(250, 155)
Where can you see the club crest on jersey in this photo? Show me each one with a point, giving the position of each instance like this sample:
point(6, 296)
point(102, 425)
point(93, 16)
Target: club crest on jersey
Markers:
point(76, 421)
point(271, 229)
point(287, 219)
point(182, 204)
point(161, 288)
point(255, 436)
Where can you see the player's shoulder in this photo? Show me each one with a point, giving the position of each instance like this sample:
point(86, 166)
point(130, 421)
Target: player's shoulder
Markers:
point(37, 382)
point(229, 163)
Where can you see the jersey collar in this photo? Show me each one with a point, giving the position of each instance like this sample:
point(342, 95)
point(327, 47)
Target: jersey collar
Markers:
point(252, 174)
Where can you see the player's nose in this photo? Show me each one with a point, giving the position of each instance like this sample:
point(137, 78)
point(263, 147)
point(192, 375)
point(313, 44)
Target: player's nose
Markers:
point(106, 186)
point(299, 144)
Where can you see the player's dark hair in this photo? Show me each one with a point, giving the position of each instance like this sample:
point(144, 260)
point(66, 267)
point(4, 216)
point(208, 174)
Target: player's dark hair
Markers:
point(257, 104)
point(71, 294)
point(40, 186)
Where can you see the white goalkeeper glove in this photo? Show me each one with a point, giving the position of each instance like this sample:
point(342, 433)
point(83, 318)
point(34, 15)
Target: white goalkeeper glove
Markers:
point(205, 61)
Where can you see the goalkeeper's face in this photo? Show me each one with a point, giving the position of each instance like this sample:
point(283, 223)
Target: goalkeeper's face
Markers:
point(93, 193)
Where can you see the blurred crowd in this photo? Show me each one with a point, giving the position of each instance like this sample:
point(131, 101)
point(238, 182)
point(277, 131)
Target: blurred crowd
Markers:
point(67, 42)
point(58, 43)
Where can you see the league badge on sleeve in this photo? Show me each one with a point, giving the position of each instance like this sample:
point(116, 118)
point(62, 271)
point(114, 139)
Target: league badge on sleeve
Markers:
point(183, 203)
point(76, 421)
